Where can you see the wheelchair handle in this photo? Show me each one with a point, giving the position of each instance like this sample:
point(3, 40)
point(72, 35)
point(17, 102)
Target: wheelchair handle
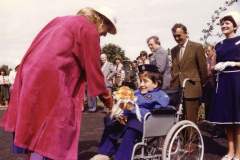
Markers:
point(188, 79)
point(192, 82)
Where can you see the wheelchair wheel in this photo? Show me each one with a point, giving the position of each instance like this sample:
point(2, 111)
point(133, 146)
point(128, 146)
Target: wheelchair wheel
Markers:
point(183, 141)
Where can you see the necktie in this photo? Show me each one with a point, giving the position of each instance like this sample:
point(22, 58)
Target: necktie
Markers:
point(209, 67)
point(181, 53)
point(116, 67)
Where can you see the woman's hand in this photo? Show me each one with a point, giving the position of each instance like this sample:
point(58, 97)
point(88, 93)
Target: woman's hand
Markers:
point(222, 65)
point(219, 66)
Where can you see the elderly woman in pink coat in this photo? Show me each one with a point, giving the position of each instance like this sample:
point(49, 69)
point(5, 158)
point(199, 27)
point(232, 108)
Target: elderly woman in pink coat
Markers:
point(46, 103)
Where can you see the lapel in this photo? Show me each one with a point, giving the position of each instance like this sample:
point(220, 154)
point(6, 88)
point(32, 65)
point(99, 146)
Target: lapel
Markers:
point(177, 55)
point(186, 52)
point(104, 66)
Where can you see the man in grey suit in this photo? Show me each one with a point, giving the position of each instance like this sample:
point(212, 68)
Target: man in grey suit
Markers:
point(109, 71)
point(160, 59)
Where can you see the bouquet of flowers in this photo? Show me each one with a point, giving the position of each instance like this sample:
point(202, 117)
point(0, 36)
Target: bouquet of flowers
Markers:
point(124, 96)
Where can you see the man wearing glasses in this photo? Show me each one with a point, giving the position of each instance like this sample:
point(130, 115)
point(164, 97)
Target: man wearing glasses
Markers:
point(160, 59)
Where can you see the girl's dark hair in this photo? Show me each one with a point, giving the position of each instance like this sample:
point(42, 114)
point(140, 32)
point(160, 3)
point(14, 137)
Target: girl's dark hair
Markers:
point(143, 53)
point(4, 70)
point(229, 18)
point(154, 76)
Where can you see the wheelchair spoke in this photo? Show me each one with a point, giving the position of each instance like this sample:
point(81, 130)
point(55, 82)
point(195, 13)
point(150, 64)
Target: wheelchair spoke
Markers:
point(185, 143)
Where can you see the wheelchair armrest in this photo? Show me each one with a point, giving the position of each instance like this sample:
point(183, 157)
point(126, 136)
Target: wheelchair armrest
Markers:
point(163, 111)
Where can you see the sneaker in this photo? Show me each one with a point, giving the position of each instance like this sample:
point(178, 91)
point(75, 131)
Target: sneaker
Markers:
point(100, 157)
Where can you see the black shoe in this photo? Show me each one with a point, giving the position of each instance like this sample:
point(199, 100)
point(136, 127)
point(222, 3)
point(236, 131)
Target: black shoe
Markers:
point(219, 136)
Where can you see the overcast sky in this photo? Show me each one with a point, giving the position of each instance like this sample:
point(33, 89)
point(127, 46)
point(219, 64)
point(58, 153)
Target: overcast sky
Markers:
point(21, 20)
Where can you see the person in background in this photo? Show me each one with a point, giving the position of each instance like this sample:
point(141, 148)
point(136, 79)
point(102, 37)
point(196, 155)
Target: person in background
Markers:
point(209, 83)
point(92, 102)
point(144, 57)
point(4, 83)
point(119, 77)
point(12, 75)
point(47, 98)
point(109, 71)
point(225, 106)
point(136, 80)
point(139, 61)
point(218, 129)
point(130, 76)
point(149, 56)
point(160, 59)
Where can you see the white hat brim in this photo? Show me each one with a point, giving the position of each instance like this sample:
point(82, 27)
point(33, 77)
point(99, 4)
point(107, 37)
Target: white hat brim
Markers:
point(110, 15)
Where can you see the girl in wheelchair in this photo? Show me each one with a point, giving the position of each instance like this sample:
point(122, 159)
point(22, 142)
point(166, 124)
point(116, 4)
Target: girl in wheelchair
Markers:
point(129, 128)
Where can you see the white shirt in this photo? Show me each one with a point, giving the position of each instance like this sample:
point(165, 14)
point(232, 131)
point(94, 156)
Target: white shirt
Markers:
point(6, 79)
point(182, 49)
point(12, 76)
point(104, 65)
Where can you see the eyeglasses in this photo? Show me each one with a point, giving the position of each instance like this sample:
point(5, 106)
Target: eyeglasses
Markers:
point(149, 45)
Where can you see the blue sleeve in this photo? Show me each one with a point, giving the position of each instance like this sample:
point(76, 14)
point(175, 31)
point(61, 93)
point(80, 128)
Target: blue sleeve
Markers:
point(126, 113)
point(143, 111)
point(162, 101)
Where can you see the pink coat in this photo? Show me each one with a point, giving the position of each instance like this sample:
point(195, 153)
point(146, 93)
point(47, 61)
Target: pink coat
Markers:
point(46, 103)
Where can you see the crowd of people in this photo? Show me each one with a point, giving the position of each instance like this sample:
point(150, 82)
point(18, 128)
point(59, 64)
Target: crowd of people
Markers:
point(6, 82)
point(50, 127)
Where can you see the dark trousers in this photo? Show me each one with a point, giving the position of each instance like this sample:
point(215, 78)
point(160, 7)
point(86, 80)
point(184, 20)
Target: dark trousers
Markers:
point(190, 109)
point(92, 102)
point(207, 93)
point(109, 146)
point(190, 112)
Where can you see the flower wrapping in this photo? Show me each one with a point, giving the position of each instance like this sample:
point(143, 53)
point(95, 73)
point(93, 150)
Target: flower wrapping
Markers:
point(123, 96)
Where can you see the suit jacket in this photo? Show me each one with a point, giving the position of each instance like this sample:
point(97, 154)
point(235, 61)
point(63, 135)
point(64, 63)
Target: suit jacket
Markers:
point(161, 60)
point(109, 71)
point(193, 65)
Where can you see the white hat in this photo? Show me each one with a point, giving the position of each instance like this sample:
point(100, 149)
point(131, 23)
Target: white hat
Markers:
point(16, 63)
point(236, 17)
point(110, 15)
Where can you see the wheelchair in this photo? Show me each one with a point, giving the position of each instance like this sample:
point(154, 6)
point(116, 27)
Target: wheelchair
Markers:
point(182, 139)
